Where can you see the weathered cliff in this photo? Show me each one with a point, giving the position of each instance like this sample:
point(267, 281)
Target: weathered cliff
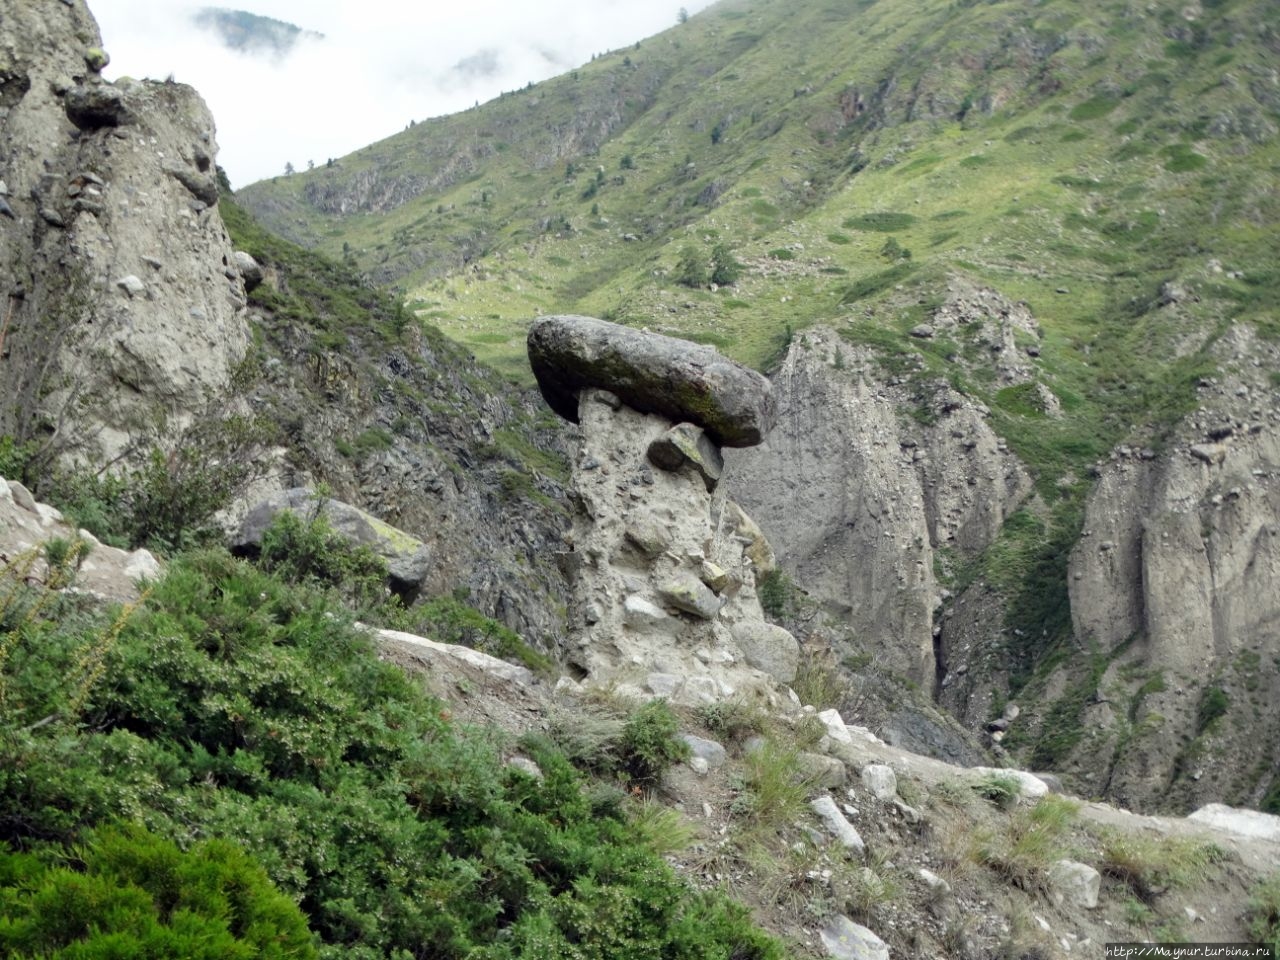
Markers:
point(1164, 695)
point(1176, 581)
point(123, 306)
point(857, 497)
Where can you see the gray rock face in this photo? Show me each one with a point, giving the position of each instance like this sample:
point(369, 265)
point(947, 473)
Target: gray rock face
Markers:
point(856, 497)
point(87, 166)
point(651, 373)
point(660, 574)
point(1182, 552)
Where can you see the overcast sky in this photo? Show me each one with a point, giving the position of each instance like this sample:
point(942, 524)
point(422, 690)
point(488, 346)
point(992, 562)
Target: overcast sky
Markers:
point(381, 64)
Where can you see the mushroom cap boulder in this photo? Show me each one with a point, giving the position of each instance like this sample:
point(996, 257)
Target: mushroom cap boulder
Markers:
point(686, 382)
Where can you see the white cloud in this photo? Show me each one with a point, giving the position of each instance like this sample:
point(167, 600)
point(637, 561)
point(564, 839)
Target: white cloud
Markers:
point(381, 64)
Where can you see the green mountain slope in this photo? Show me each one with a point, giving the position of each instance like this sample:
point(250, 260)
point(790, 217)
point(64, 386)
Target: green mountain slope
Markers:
point(1096, 161)
point(1101, 149)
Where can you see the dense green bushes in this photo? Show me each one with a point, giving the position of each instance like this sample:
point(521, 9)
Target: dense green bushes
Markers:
point(236, 705)
point(131, 894)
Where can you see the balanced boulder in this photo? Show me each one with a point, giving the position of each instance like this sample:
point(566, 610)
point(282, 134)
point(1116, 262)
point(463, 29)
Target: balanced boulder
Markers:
point(651, 373)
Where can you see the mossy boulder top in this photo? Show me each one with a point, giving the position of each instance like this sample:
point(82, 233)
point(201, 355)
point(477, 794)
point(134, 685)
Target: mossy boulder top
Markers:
point(687, 382)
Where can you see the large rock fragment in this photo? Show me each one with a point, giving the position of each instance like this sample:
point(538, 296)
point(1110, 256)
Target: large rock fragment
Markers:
point(96, 105)
point(1075, 884)
point(846, 940)
point(407, 557)
point(651, 373)
point(687, 593)
point(768, 647)
point(685, 443)
point(838, 825)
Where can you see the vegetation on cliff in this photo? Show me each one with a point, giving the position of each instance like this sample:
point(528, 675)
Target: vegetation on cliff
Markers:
point(232, 703)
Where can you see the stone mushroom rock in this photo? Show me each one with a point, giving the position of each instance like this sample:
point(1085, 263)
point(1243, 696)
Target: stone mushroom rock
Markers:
point(651, 373)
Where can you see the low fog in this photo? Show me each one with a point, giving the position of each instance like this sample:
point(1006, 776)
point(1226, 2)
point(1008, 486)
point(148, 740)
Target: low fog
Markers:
point(381, 64)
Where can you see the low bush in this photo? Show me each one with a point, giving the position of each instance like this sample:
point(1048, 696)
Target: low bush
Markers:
point(1264, 913)
point(1151, 865)
point(1003, 790)
point(1023, 849)
point(651, 742)
point(130, 893)
point(234, 704)
point(449, 620)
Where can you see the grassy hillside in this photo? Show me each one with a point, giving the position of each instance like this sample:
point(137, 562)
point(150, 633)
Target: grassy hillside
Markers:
point(1115, 166)
point(1099, 151)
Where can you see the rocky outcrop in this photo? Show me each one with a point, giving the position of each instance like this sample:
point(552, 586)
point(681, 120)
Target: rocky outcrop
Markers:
point(406, 556)
point(663, 584)
point(122, 306)
point(27, 529)
point(1177, 578)
point(651, 373)
point(857, 497)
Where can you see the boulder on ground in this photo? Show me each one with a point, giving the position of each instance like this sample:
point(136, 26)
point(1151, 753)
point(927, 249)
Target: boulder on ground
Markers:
point(880, 779)
point(1074, 884)
point(769, 648)
point(838, 825)
point(407, 557)
point(651, 373)
point(846, 940)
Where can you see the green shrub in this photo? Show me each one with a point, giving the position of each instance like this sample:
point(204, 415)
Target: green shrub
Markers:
point(725, 268)
point(691, 269)
point(774, 790)
point(130, 893)
point(236, 704)
point(776, 591)
point(1182, 159)
point(169, 500)
point(871, 285)
point(885, 222)
point(1023, 849)
point(308, 551)
point(1094, 108)
point(14, 457)
point(651, 742)
point(1152, 864)
point(449, 620)
point(733, 720)
point(1264, 913)
point(1002, 789)
point(1213, 704)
